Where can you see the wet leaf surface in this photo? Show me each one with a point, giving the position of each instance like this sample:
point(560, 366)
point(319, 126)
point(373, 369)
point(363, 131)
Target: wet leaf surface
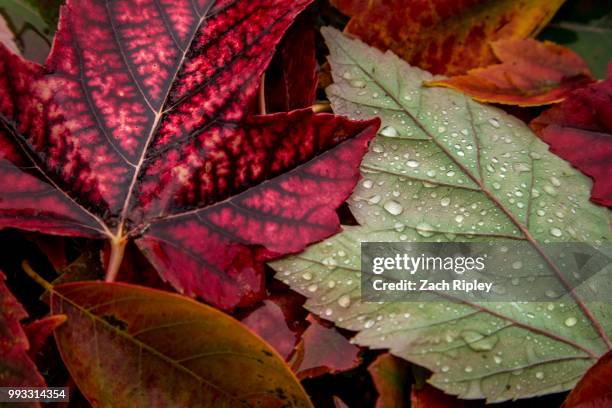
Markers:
point(445, 168)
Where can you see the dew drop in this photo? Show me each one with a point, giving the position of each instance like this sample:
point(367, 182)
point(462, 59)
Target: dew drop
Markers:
point(412, 164)
point(307, 276)
point(468, 369)
point(367, 183)
point(497, 359)
point(344, 301)
point(393, 207)
point(445, 369)
point(389, 131)
point(375, 199)
point(368, 324)
point(539, 375)
point(556, 232)
point(571, 321)
point(445, 202)
point(459, 218)
point(494, 122)
point(550, 190)
point(424, 229)
point(517, 265)
point(357, 83)
point(555, 181)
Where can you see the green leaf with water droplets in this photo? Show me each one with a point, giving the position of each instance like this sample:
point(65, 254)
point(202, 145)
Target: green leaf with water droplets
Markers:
point(446, 168)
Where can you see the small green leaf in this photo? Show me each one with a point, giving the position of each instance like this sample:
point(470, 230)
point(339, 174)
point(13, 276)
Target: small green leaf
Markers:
point(446, 168)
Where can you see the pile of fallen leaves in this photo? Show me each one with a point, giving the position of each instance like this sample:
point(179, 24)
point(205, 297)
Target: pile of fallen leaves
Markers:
point(185, 186)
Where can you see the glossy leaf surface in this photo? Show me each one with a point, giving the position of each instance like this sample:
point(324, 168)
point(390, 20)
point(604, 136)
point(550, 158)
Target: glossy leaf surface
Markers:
point(127, 345)
point(445, 37)
point(139, 127)
point(446, 168)
point(580, 131)
point(531, 73)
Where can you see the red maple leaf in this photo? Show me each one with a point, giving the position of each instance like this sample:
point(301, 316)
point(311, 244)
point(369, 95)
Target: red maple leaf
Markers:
point(579, 130)
point(138, 127)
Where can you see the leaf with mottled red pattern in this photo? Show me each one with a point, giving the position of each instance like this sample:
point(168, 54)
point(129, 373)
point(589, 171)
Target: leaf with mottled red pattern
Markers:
point(580, 131)
point(16, 367)
point(128, 345)
point(441, 36)
point(531, 73)
point(139, 126)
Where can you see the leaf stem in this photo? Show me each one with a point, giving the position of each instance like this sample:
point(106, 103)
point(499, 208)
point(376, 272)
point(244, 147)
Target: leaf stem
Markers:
point(262, 95)
point(321, 107)
point(25, 265)
point(116, 256)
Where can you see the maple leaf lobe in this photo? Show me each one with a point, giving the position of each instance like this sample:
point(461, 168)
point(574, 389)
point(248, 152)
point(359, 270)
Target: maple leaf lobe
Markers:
point(139, 125)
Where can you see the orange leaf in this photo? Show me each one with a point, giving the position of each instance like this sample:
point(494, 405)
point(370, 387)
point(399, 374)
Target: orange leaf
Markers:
point(594, 390)
point(441, 36)
point(531, 73)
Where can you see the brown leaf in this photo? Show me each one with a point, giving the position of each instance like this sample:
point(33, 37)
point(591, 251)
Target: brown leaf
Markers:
point(127, 345)
point(445, 37)
point(531, 73)
point(390, 376)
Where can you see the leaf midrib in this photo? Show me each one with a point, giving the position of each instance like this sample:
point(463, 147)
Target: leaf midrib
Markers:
point(585, 310)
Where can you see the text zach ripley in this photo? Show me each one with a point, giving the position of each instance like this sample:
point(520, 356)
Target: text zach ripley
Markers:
point(427, 285)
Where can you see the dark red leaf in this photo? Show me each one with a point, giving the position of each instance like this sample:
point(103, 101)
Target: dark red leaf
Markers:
point(323, 350)
point(269, 322)
point(430, 397)
point(280, 321)
point(53, 247)
point(291, 79)
point(39, 331)
point(594, 389)
point(139, 127)
point(16, 367)
point(580, 131)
